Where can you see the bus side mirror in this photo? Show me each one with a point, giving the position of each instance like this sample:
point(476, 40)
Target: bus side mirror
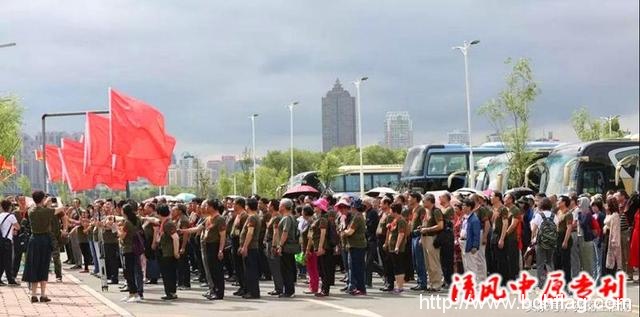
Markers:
point(527, 171)
point(618, 168)
point(499, 179)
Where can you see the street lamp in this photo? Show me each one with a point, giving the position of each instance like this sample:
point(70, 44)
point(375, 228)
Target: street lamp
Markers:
point(357, 83)
point(7, 45)
point(464, 49)
point(609, 119)
point(291, 105)
point(254, 188)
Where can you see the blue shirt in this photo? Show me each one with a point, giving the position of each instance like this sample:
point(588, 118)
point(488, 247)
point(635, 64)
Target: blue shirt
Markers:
point(473, 233)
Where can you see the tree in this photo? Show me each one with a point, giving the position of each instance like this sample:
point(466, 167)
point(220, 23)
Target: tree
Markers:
point(509, 115)
point(328, 168)
point(591, 129)
point(24, 183)
point(10, 130)
point(224, 186)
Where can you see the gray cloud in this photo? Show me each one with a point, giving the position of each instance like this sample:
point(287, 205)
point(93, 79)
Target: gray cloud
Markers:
point(208, 65)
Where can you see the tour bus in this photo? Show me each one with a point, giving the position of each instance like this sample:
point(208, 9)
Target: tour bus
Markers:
point(587, 167)
point(434, 167)
point(494, 174)
point(348, 179)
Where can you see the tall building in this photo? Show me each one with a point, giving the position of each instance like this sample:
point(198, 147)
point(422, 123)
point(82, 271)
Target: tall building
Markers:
point(338, 118)
point(458, 137)
point(398, 130)
point(185, 172)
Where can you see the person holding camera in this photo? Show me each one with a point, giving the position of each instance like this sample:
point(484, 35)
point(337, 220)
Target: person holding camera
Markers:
point(38, 260)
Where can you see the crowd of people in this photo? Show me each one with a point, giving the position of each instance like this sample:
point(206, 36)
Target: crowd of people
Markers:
point(238, 241)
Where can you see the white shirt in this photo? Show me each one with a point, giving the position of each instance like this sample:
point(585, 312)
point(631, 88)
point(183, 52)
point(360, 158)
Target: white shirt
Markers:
point(463, 227)
point(537, 219)
point(7, 226)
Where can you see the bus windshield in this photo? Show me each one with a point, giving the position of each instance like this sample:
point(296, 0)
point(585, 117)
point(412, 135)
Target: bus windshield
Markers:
point(552, 179)
point(414, 163)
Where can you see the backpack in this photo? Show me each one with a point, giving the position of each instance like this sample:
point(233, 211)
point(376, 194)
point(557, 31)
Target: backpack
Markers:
point(138, 243)
point(548, 233)
point(333, 234)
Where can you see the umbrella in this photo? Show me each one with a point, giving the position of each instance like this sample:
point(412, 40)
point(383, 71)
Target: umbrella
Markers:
point(380, 190)
point(186, 197)
point(301, 190)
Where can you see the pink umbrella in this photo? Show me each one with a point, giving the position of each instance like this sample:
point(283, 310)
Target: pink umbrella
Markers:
point(301, 190)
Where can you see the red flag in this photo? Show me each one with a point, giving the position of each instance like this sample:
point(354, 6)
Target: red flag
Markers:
point(155, 171)
point(54, 164)
point(72, 154)
point(137, 129)
point(97, 153)
point(38, 154)
point(8, 165)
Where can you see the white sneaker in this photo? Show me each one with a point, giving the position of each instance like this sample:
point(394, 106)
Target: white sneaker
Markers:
point(135, 299)
point(125, 299)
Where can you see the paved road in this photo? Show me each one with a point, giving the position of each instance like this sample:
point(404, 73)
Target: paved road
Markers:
point(375, 304)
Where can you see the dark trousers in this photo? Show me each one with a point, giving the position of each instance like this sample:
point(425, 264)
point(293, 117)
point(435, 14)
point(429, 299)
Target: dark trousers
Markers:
point(69, 251)
point(168, 268)
point(111, 261)
point(86, 254)
point(446, 258)
point(196, 258)
point(288, 268)
point(215, 268)
point(371, 262)
point(228, 262)
point(513, 255)
point(356, 264)
point(18, 251)
point(562, 257)
point(409, 275)
point(252, 272)
point(6, 259)
point(130, 266)
point(389, 276)
point(238, 265)
point(183, 269)
point(264, 263)
point(501, 261)
point(327, 271)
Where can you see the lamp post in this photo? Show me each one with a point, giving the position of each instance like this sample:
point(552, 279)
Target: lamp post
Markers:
point(609, 119)
point(254, 188)
point(357, 83)
point(464, 49)
point(290, 106)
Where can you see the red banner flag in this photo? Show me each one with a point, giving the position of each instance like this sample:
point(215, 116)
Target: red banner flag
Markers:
point(54, 163)
point(72, 153)
point(137, 129)
point(38, 154)
point(98, 159)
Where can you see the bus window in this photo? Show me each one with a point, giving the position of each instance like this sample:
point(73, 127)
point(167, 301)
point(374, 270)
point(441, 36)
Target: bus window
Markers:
point(384, 180)
point(444, 164)
point(593, 182)
point(337, 185)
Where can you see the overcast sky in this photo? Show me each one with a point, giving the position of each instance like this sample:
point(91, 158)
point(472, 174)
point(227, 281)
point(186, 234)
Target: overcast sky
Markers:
point(209, 64)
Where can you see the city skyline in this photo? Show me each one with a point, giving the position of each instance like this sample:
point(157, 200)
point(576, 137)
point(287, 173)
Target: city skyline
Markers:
point(207, 90)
